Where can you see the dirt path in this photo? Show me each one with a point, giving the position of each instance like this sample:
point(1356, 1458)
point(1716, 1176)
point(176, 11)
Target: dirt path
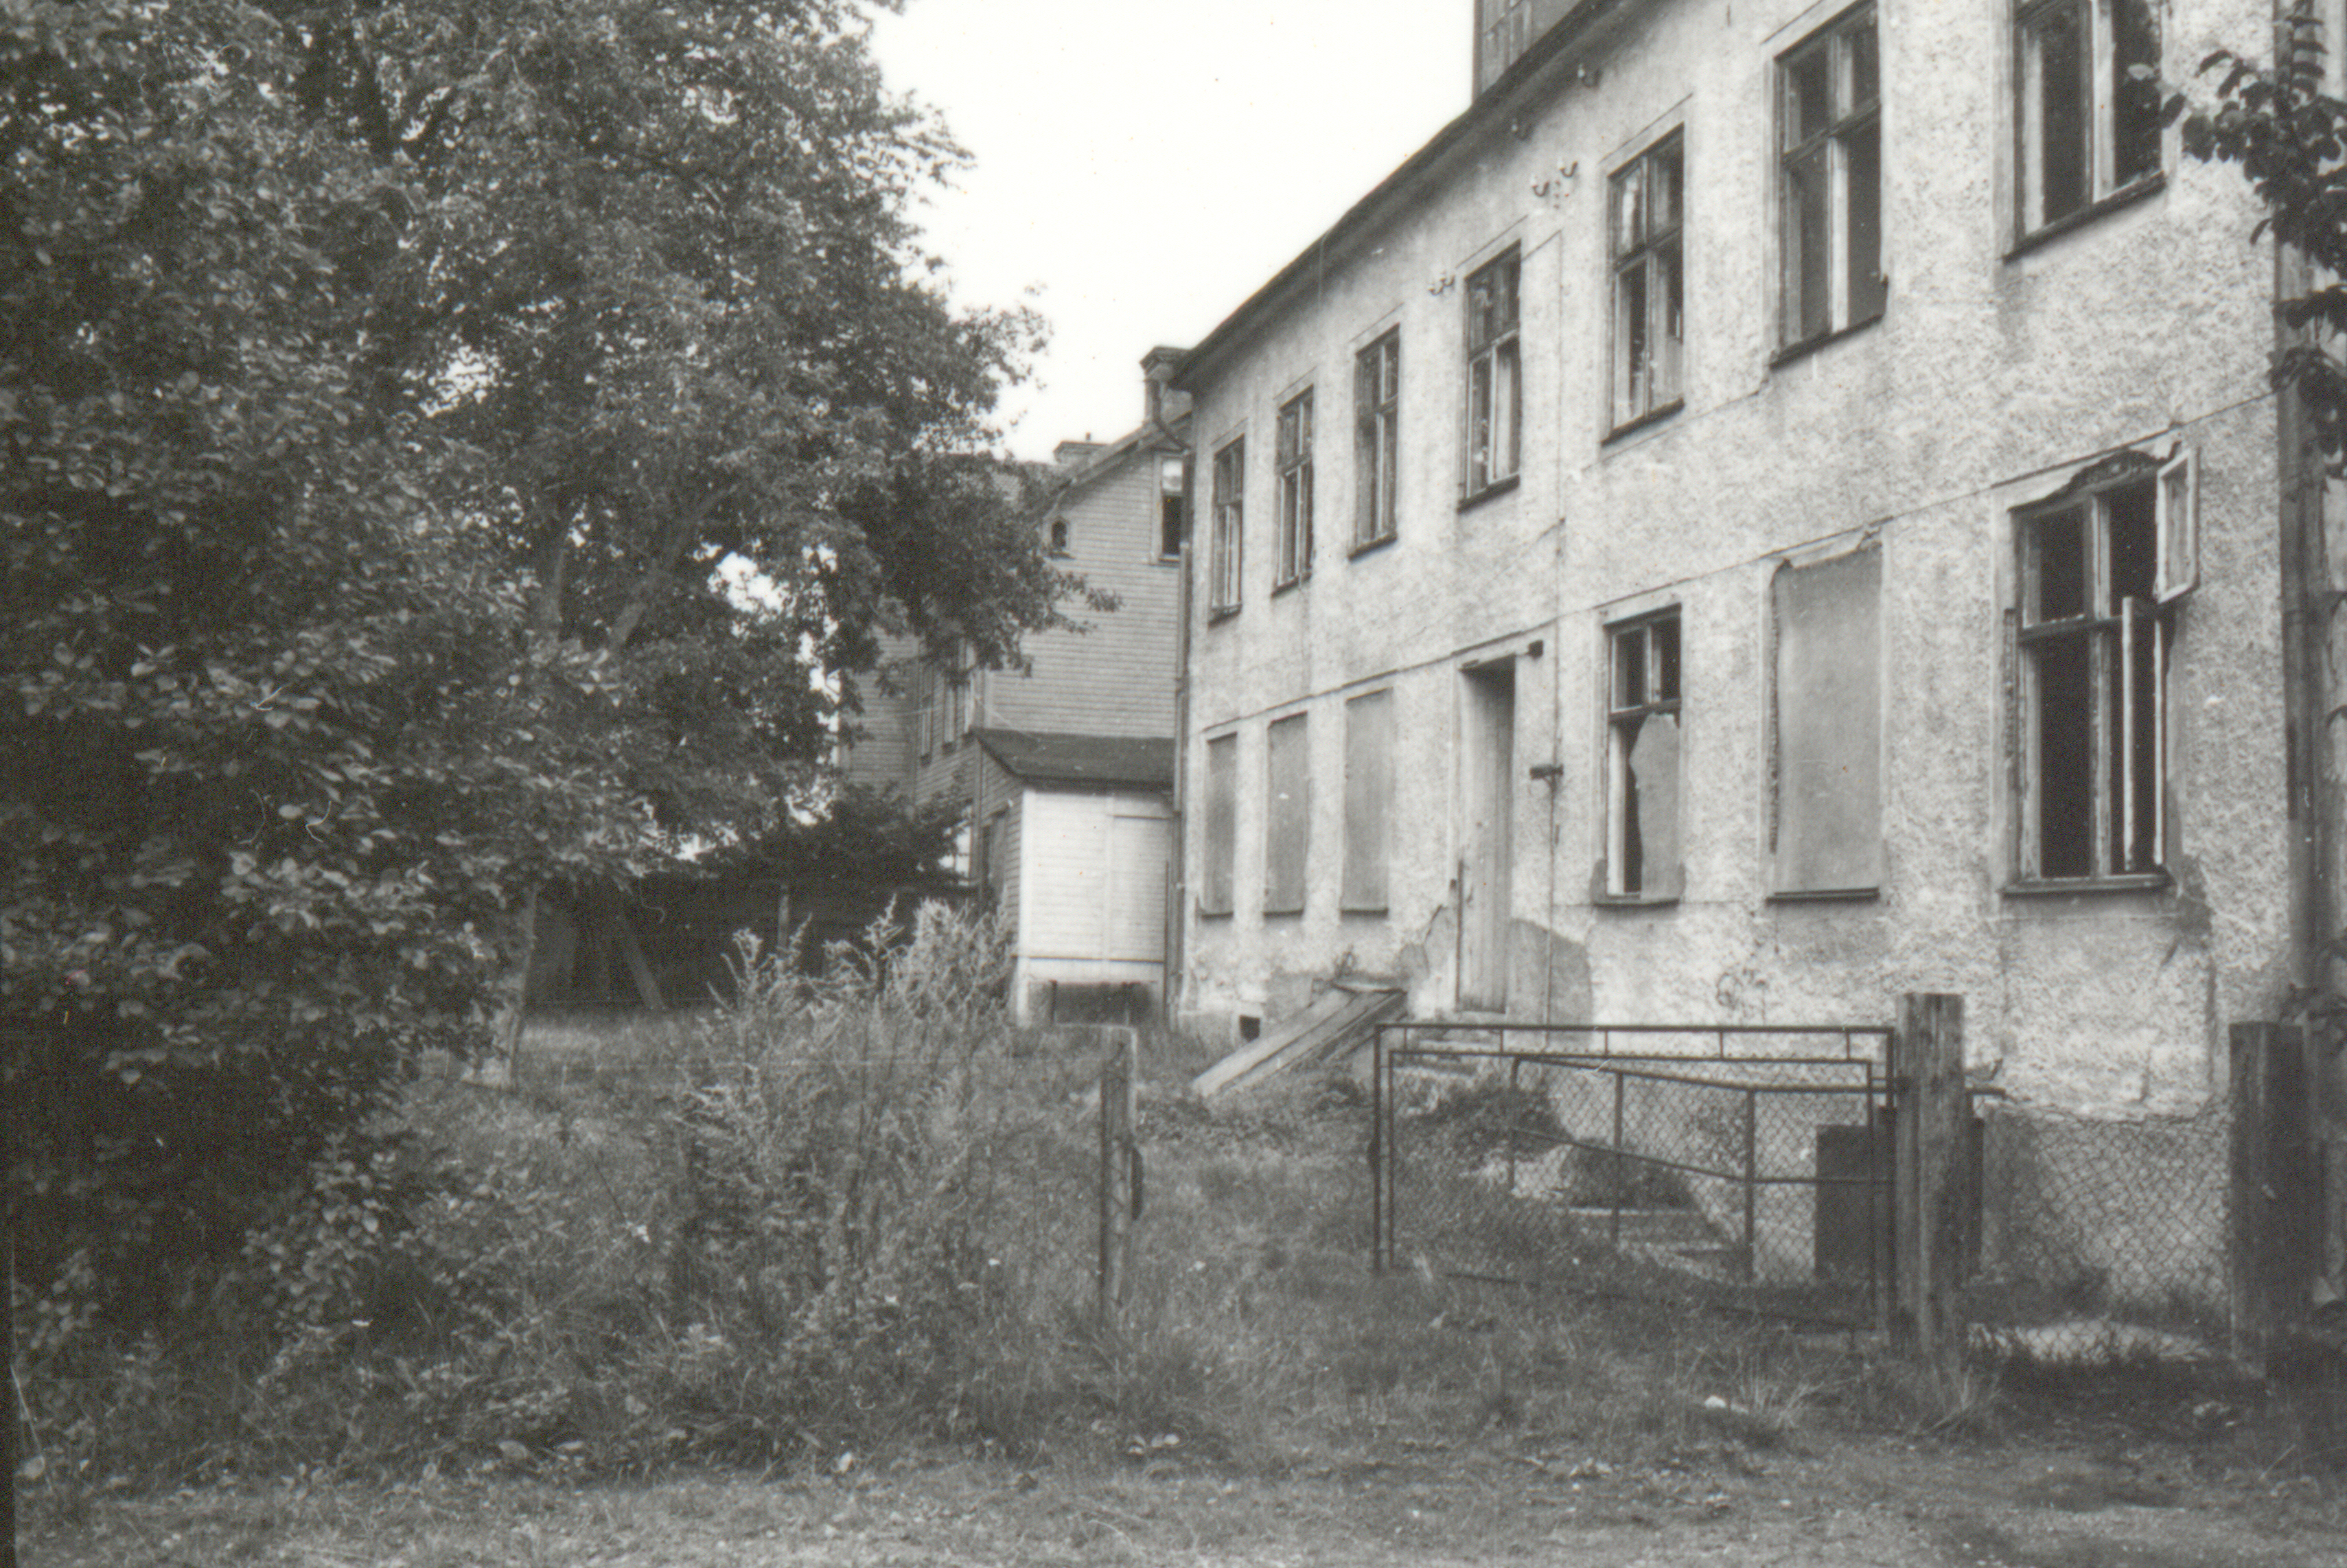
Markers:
point(1831, 1505)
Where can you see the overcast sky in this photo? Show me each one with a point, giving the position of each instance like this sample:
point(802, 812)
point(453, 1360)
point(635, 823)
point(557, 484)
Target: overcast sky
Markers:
point(1143, 167)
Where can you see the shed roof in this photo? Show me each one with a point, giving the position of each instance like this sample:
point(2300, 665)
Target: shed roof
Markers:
point(1097, 760)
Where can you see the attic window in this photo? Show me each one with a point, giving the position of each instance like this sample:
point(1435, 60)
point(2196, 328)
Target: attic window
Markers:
point(1169, 507)
point(1059, 536)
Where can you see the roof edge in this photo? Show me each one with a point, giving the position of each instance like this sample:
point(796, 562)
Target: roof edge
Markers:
point(1489, 111)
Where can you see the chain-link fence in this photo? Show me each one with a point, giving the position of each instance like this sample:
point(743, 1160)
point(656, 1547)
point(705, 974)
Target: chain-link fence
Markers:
point(1744, 1167)
point(2101, 1239)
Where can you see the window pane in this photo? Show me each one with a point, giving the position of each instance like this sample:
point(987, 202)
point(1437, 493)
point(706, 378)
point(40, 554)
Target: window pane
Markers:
point(1479, 423)
point(2135, 542)
point(2064, 105)
point(2144, 736)
point(1650, 804)
point(1808, 236)
point(1630, 386)
point(2065, 766)
point(1862, 155)
point(1665, 638)
point(1630, 667)
point(2135, 130)
point(1671, 331)
point(1663, 197)
point(1865, 65)
point(1629, 209)
point(2057, 562)
point(1809, 99)
point(1388, 472)
point(1507, 376)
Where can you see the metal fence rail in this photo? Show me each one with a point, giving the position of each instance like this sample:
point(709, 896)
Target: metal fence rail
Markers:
point(1747, 1166)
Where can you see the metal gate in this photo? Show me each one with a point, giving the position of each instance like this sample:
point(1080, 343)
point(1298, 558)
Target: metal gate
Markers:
point(1743, 1166)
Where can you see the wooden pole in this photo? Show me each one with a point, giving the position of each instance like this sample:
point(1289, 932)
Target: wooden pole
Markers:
point(1118, 1159)
point(2275, 1220)
point(1930, 1134)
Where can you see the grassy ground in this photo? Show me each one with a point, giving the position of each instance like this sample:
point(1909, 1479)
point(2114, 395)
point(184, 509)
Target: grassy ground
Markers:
point(1263, 1399)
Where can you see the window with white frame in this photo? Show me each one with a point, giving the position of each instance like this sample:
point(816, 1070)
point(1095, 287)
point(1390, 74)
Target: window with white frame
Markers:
point(1829, 140)
point(1295, 441)
point(1650, 315)
point(2088, 123)
point(1495, 374)
point(1170, 487)
point(1377, 437)
point(2100, 568)
point(1230, 524)
point(1642, 757)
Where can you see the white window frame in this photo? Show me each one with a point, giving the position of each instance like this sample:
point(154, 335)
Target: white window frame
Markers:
point(2104, 178)
point(1627, 707)
point(1294, 445)
point(2128, 839)
point(1854, 291)
point(1653, 252)
point(1229, 542)
point(1171, 483)
point(1377, 402)
point(1495, 373)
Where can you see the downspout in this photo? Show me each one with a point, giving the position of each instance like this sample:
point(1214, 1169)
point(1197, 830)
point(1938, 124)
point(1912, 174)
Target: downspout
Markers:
point(1177, 901)
point(2305, 576)
point(1158, 367)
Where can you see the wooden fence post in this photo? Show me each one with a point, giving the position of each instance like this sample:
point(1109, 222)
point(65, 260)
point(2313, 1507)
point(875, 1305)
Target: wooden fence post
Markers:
point(1930, 1139)
point(2276, 1240)
point(1120, 1176)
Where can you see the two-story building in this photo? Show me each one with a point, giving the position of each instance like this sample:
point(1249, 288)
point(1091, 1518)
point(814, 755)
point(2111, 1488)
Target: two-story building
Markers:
point(1063, 766)
point(1774, 508)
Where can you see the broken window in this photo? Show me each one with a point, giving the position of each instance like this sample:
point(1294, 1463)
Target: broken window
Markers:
point(1495, 374)
point(1286, 816)
point(1825, 725)
point(1230, 507)
point(1170, 488)
point(2089, 125)
point(1377, 441)
point(1830, 125)
point(1368, 802)
point(2100, 568)
point(1222, 807)
point(1641, 758)
point(1649, 324)
point(1295, 446)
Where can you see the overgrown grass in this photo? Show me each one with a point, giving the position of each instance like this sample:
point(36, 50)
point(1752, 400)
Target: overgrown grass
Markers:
point(848, 1213)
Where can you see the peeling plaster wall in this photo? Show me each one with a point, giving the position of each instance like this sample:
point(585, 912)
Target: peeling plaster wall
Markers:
point(1990, 380)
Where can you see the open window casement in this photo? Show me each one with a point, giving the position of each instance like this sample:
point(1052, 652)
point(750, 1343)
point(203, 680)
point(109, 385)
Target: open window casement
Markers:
point(2143, 737)
point(2178, 503)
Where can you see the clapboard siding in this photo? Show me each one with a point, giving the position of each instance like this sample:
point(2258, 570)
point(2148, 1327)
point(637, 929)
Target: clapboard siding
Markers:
point(1116, 677)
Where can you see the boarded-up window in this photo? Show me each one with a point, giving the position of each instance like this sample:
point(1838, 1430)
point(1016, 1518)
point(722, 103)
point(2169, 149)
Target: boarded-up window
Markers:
point(1222, 824)
point(1825, 711)
point(1368, 801)
point(1287, 817)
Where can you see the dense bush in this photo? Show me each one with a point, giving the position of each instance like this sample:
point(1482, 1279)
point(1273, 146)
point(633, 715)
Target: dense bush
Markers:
point(830, 1224)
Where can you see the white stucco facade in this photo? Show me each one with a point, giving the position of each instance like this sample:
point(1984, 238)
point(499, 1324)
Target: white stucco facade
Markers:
point(2003, 366)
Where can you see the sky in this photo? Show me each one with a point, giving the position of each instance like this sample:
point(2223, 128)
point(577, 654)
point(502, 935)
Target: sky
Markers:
point(1140, 167)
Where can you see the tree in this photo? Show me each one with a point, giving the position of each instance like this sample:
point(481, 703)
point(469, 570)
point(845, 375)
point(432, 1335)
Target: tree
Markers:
point(382, 387)
point(2288, 136)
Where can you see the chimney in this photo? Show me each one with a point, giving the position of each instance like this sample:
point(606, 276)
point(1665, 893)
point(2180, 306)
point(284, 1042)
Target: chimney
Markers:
point(1159, 404)
point(1074, 454)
